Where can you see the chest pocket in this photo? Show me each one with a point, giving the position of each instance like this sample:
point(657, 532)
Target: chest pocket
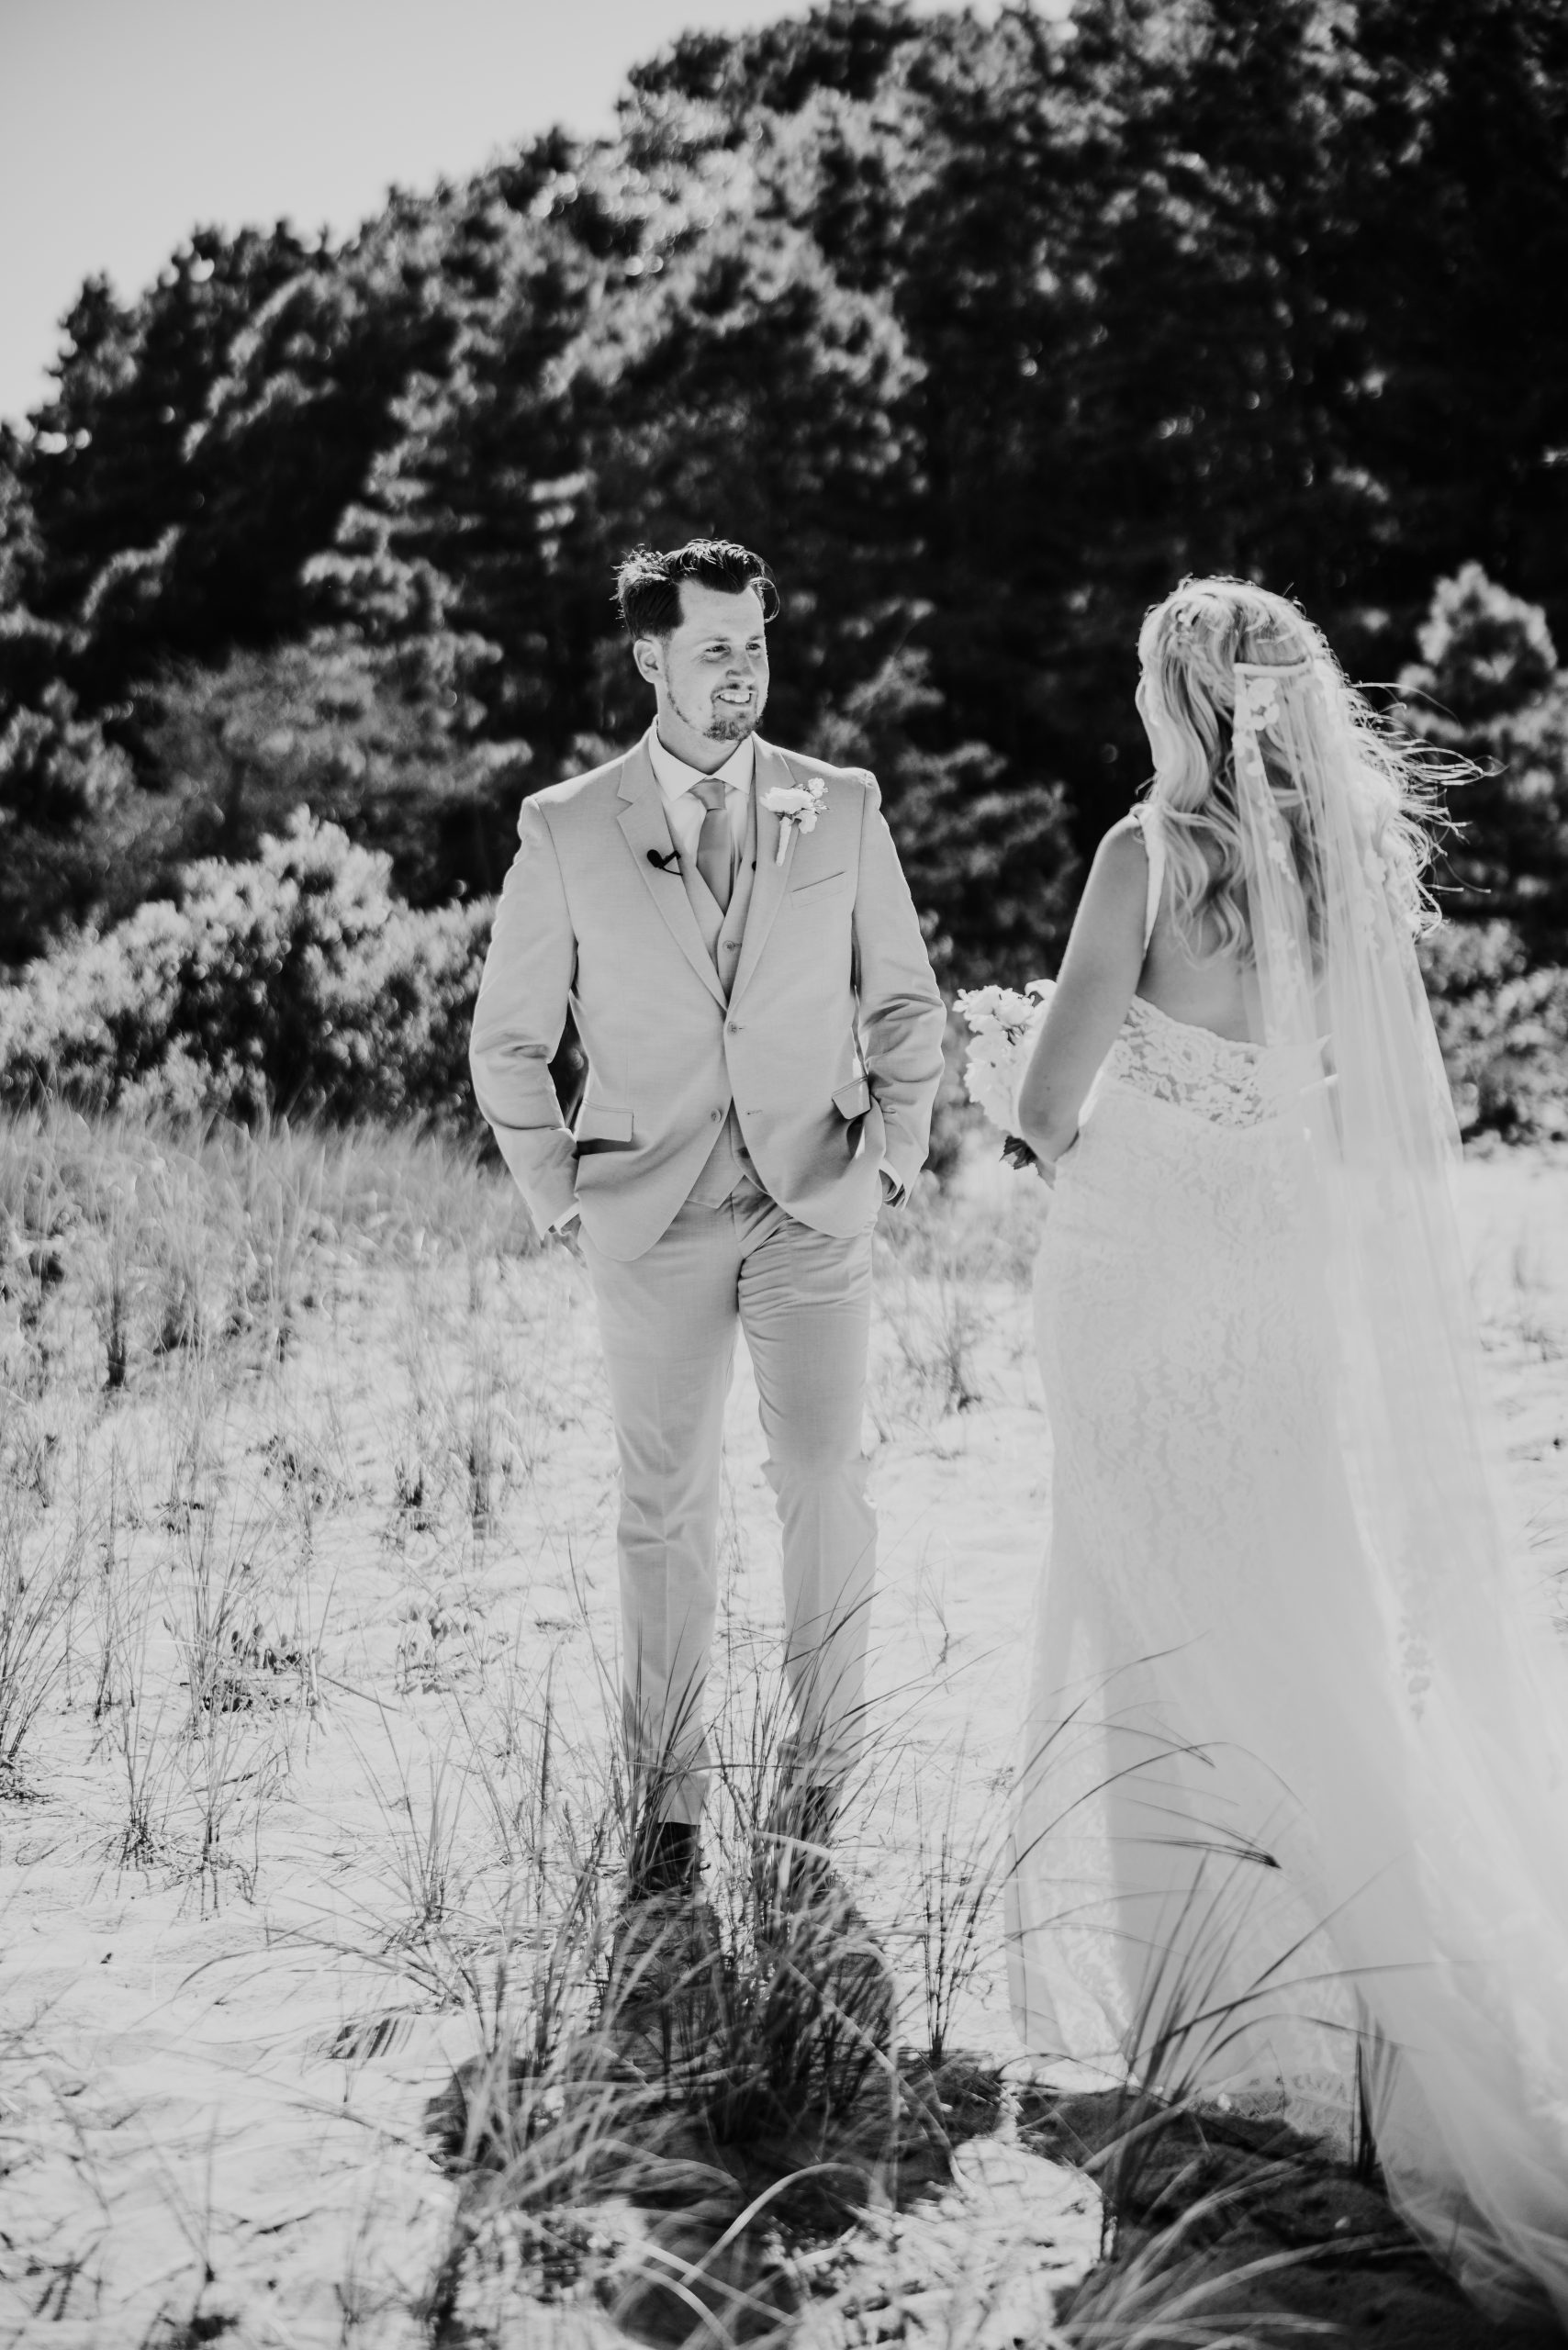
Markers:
point(819, 892)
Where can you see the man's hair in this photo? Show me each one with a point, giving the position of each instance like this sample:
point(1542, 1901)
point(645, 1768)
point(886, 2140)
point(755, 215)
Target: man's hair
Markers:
point(648, 584)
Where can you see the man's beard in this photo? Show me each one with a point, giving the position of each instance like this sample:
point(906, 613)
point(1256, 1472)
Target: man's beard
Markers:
point(724, 723)
point(730, 725)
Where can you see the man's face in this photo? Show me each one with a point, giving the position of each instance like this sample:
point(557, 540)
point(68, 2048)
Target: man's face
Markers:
point(710, 673)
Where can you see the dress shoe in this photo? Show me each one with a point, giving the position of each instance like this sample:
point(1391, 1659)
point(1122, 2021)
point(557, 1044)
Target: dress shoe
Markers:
point(664, 1937)
point(666, 1860)
point(795, 1869)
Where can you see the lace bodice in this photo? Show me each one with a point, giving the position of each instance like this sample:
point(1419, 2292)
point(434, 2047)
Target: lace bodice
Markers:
point(1230, 1082)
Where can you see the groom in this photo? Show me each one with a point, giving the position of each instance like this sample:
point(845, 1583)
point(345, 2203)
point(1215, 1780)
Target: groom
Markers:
point(730, 927)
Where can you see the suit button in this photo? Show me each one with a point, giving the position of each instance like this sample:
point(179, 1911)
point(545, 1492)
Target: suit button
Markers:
point(734, 1027)
point(713, 1118)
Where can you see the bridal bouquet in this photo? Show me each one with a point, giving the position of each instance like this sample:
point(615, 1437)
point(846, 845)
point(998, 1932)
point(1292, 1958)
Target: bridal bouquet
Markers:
point(1001, 1026)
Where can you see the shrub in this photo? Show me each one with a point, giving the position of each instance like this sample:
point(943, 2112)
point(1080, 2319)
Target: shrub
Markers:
point(1502, 1027)
point(1488, 687)
point(73, 837)
point(378, 739)
point(296, 981)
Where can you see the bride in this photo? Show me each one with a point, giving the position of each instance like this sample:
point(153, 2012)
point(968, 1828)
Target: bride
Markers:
point(1291, 1828)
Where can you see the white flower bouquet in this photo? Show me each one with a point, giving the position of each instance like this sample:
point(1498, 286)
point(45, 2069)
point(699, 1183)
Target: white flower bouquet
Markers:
point(1002, 1024)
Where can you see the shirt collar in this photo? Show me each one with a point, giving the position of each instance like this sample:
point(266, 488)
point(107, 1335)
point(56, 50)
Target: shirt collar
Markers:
point(675, 777)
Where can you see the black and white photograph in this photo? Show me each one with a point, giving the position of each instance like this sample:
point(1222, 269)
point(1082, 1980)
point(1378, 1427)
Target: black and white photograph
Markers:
point(783, 1174)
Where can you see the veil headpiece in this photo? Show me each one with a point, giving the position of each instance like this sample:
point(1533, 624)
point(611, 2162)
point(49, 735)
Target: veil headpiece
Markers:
point(1342, 997)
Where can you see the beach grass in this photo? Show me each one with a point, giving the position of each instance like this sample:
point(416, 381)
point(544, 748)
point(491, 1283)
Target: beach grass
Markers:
point(312, 1834)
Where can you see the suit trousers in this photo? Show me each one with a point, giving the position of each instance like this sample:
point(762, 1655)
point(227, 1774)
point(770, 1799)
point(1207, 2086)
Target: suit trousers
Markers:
point(668, 1321)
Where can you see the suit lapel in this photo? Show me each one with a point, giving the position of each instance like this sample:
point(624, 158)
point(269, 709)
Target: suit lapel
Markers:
point(772, 878)
point(642, 820)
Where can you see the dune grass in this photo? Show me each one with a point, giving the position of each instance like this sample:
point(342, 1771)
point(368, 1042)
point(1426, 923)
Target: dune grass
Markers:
point(322, 2025)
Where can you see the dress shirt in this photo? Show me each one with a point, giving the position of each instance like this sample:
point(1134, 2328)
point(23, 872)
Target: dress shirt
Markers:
point(684, 812)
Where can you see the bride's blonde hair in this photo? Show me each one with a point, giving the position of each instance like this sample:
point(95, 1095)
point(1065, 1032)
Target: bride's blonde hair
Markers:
point(1189, 646)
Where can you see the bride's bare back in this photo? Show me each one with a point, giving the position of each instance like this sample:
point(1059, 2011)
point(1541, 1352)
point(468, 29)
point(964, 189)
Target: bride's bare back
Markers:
point(1191, 983)
point(1104, 966)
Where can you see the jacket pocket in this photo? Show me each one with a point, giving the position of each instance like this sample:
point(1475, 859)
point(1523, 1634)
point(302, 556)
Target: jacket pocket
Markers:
point(600, 1128)
point(826, 885)
point(853, 1101)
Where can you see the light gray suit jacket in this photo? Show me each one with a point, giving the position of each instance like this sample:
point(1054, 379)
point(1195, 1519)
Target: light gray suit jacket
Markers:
point(829, 1043)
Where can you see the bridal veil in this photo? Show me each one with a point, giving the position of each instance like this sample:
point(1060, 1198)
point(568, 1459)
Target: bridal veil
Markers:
point(1459, 1954)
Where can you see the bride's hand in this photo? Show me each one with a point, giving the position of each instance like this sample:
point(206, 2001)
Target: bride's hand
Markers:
point(1016, 1152)
point(1048, 1167)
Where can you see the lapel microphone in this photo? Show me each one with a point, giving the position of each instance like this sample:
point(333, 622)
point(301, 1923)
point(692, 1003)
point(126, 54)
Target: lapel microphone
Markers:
point(666, 860)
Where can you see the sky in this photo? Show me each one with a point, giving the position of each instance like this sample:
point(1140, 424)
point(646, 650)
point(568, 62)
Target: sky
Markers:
point(124, 124)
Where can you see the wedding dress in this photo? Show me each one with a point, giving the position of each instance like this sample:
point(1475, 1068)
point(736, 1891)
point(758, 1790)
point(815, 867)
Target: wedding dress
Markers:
point(1292, 1823)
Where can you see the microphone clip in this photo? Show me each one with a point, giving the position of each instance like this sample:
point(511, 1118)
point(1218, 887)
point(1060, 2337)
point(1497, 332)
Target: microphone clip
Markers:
point(666, 860)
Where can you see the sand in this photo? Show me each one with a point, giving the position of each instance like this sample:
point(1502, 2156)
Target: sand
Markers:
point(226, 2004)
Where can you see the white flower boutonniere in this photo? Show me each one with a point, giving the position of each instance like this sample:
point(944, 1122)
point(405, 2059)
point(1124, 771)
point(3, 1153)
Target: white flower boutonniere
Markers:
point(796, 805)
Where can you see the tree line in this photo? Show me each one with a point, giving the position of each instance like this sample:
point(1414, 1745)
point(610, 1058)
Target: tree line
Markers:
point(983, 332)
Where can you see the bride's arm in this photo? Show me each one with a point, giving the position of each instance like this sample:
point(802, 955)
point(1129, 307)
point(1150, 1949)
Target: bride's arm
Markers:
point(1098, 973)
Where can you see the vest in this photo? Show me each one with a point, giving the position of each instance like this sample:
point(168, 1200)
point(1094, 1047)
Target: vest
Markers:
point(729, 1162)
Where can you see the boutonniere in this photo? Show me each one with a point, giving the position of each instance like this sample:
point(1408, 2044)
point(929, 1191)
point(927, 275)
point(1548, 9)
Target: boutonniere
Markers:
point(796, 805)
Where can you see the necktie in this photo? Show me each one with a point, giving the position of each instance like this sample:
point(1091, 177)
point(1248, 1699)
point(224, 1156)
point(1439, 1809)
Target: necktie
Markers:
point(714, 855)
